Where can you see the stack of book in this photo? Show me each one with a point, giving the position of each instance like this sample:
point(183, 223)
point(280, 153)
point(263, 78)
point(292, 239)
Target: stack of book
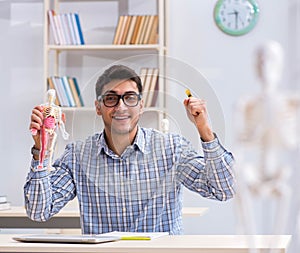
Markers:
point(68, 93)
point(66, 28)
point(134, 29)
point(149, 78)
point(4, 204)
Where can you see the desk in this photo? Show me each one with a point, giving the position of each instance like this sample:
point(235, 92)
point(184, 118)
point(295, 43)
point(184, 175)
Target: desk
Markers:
point(166, 244)
point(67, 218)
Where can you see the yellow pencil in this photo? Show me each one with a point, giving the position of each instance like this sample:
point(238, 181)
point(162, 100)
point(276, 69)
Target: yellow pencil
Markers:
point(188, 93)
point(135, 238)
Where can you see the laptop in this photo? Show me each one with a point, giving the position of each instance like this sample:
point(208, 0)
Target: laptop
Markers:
point(64, 238)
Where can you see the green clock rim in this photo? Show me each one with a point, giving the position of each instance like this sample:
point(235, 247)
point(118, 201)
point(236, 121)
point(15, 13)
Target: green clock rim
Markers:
point(239, 32)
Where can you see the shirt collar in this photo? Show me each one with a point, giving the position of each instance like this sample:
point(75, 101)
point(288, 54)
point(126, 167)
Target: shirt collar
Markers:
point(139, 143)
point(140, 140)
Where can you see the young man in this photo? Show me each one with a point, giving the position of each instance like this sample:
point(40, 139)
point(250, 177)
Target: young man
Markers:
point(129, 178)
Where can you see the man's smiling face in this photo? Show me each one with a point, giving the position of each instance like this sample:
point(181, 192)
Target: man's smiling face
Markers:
point(120, 119)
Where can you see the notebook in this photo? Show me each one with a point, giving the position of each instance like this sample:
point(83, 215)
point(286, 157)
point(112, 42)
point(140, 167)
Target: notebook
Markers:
point(64, 238)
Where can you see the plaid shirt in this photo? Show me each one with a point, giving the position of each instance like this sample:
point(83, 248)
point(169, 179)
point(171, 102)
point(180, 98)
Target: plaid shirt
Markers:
point(141, 190)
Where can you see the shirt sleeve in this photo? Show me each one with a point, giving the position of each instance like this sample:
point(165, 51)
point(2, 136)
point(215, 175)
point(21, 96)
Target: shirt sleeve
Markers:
point(46, 193)
point(211, 174)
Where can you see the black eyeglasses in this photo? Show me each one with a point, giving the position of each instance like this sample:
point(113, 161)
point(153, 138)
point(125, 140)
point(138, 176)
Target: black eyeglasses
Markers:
point(130, 99)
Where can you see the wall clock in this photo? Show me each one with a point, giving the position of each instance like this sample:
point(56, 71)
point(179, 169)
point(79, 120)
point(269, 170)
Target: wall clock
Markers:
point(236, 17)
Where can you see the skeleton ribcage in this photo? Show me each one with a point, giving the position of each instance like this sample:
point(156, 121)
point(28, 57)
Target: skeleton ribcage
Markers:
point(50, 111)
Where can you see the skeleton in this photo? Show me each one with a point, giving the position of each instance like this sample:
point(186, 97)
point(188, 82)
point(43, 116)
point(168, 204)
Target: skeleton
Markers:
point(52, 119)
point(266, 138)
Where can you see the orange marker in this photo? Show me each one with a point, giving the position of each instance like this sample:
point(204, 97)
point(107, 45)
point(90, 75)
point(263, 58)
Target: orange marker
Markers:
point(188, 93)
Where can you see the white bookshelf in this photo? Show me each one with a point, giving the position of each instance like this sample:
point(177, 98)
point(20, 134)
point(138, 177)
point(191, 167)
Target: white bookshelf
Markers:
point(57, 57)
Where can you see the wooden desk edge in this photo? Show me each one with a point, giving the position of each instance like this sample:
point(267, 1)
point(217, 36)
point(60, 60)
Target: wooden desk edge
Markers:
point(180, 243)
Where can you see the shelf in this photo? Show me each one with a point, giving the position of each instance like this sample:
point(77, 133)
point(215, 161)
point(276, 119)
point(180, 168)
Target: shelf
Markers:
point(106, 47)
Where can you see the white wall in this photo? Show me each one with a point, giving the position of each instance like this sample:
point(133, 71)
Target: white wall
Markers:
point(21, 59)
point(194, 40)
point(227, 62)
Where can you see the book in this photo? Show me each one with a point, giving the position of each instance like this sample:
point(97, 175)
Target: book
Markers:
point(136, 235)
point(146, 85)
point(62, 97)
point(152, 94)
point(51, 86)
point(118, 30)
point(130, 30)
point(51, 14)
point(75, 30)
point(136, 30)
point(78, 91)
point(144, 28)
point(143, 73)
point(139, 31)
point(126, 29)
point(71, 28)
point(68, 91)
point(53, 83)
point(148, 30)
point(5, 206)
point(65, 28)
point(155, 94)
point(122, 30)
point(57, 21)
point(154, 32)
point(68, 28)
point(79, 29)
point(3, 198)
point(74, 92)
